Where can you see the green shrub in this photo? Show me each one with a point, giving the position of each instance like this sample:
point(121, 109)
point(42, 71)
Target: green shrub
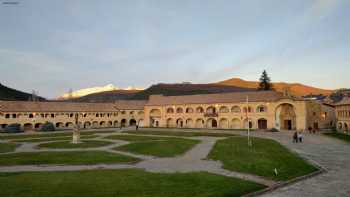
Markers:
point(13, 128)
point(48, 126)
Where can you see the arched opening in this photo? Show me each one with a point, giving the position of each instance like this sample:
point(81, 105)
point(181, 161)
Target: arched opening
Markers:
point(87, 125)
point(103, 124)
point(38, 126)
point(211, 110)
point(189, 123)
point(179, 110)
point(169, 122)
point(199, 123)
point(236, 123)
point(116, 123)
point(236, 109)
point(248, 124)
point(179, 123)
point(3, 126)
point(141, 123)
point(224, 109)
point(286, 117)
point(155, 115)
point(223, 123)
point(95, 124)
point(262, 124)
point(123, 123)
point(212, 123)
point(189, 110)
point(170, 110)
point(109, 124)
point(199, 110)
point(69, 125)
point(261, 109)
point(27, 127)
point(132, 122)
point(346, 127)
point(59, 125)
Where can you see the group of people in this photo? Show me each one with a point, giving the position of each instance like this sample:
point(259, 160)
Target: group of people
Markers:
point(298, 137)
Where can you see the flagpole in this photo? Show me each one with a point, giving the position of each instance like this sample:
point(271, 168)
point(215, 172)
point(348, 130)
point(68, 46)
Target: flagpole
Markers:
point(247, 110)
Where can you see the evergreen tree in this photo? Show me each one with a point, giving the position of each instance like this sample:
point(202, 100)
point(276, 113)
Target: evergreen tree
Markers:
point(265, 82)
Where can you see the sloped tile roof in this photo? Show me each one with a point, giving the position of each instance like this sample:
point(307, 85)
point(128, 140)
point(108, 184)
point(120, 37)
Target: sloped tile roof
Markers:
point(25, 106)
point(344, 101)
point(236, 97)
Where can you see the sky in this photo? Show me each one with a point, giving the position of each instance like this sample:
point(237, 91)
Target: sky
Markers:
point(53, 46)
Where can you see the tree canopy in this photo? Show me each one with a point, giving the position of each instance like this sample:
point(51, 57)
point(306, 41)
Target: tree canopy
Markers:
point(265, 82)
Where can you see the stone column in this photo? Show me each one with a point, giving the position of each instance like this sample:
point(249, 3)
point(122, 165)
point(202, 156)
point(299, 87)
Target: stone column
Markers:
point(76, 131)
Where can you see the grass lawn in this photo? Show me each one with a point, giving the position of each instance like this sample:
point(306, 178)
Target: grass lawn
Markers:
point(7, 147)
point(69, 157)
point(48, 139)
point(178, 133)
point(160, 147)
point(122, 183)
point(340, 136)
point(69, 144)
point(48, 134)
point(261, 159)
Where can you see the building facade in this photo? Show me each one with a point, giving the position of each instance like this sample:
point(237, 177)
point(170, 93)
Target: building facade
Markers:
point(32, 115)
point(342, 110)
point(256, 110)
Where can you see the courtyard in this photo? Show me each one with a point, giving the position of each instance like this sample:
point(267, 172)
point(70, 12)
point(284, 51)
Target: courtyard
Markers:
point(167, 162)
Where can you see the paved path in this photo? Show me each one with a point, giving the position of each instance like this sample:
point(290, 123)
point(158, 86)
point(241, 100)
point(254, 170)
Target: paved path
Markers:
point(192, 161)
point(331, 154)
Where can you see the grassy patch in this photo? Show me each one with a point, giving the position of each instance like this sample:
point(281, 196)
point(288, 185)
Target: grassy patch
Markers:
point(49, 134)
point(340, 136)
point(166, 148)
point(7, 147)
point(179, 133)
point(69, 157)
point(69, 144)
point(122, 183)
point(48, 139)
point(261, 159)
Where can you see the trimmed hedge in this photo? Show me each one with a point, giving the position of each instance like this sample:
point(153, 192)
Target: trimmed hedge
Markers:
point(13, 128)
point(48, 126)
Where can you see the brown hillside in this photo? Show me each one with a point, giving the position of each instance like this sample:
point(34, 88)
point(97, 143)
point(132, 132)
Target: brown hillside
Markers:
point(295, 88)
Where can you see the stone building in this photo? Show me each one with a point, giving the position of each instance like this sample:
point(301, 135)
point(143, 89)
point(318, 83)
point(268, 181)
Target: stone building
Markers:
point(265, 110)
point(342, 110)
point(32, 115)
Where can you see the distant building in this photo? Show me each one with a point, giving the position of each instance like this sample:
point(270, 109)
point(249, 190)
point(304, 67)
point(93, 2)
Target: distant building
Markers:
point(342, 109)
point(265, 110)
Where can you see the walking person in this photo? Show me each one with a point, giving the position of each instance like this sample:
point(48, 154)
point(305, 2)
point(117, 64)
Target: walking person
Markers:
point(300, 137)
point(295, 137)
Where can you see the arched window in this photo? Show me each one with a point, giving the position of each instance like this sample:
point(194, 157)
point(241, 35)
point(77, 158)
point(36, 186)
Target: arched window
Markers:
point(170, 110)
point(236, 109)
point(224, 109)
point(261, 109)
point(189, 110)
point(211, 110)
point(179, 110)
point(199, 110)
